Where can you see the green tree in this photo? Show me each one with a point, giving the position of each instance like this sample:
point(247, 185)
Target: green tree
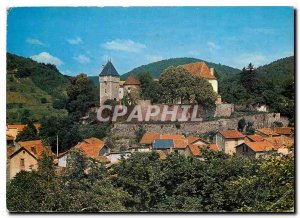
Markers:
point(97, 130)
point(241, 124)
point(139, 133)
point(150, 89)
point(178, 84)
point(29, 133)
point(81, 96)
point(63, 127)
point(250, 130)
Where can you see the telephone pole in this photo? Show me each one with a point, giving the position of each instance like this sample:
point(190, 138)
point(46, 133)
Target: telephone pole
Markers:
point(56, 145)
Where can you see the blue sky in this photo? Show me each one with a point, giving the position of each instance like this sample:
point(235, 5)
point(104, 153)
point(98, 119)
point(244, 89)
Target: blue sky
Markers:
point(82, 39)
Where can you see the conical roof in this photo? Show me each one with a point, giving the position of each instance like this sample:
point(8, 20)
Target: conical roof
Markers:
point(109, 70)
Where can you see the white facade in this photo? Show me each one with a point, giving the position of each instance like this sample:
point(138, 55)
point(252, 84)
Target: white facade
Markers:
point(115, 157)
point(214, 84)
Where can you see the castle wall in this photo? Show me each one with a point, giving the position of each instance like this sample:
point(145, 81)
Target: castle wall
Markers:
point(127, 130)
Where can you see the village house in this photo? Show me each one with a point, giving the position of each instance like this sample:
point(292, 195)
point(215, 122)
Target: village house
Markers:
point(197, 144)
point(91, 147)
point(166, 142)
point(255, 149)
point(284, 145)
point(25, 156)
point(227, 140)
point(14, 129)
point(266, 132)
point(200, 69)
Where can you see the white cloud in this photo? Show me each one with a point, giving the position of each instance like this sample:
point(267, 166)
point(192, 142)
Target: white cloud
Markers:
point(75, 41)
point(212, 46)
point(34, 41)
point(82, 59)
point(47, 58)
point(124, 45)
point(154, 58)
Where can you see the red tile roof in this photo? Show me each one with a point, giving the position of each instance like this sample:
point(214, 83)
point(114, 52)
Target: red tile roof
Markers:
point(266, 131)
point(255, 138)
point(199, 69)
point(94, 140)
point(91, 147)
point(196, 149)
point(131, 80)
point(172, 136)
point(20, 127)
point(148, 138)
point(36, 148)
point(231, 134)
point(193, 139)
point(283, 130)
point(280, 141)
point(180, 143)
point(214, 147)
point(260, 146)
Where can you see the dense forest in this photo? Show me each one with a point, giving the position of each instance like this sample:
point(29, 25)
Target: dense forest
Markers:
point(144, 183)
point(272, 84)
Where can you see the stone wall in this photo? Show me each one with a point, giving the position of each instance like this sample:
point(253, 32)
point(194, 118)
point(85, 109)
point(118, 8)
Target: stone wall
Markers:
point(224, 110)
point(127, 130)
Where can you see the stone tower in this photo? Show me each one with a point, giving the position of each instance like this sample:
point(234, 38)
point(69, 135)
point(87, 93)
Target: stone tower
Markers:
point(109, 81)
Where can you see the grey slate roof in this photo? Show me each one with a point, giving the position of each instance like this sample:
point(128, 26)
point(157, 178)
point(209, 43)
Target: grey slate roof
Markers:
point(109, 70)
point(163, 144)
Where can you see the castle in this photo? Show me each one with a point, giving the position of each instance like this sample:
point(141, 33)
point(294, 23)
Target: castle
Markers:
point(112, 88)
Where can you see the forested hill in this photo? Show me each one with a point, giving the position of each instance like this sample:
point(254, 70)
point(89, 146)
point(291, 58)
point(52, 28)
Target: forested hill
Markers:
point(156, 68)
point(32, 87)
point(279, 71)
point(44, 76)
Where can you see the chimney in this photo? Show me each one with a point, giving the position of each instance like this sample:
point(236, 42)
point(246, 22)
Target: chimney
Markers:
point(212, 71)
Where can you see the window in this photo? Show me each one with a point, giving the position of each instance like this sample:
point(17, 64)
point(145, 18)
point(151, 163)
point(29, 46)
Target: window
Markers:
point(247, 149)
point(104, 90)
point(22, 162)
